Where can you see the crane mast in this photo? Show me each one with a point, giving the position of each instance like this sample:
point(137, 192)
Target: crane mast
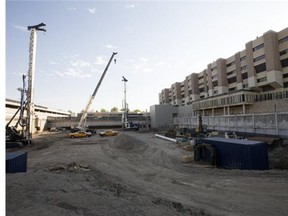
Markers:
point(30, 92)
point(84, 115)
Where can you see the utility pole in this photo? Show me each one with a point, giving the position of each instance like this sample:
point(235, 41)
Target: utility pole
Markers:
point(125, 113)
point(30, 91)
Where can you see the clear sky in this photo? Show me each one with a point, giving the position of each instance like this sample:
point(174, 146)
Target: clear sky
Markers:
point(158, 43)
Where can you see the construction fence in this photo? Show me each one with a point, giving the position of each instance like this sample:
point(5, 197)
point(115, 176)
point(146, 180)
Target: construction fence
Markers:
point(269, 123)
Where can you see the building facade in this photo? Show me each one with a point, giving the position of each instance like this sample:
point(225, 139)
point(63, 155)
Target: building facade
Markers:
point(250, 81)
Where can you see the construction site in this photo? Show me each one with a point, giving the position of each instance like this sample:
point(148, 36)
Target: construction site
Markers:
point(161, 164)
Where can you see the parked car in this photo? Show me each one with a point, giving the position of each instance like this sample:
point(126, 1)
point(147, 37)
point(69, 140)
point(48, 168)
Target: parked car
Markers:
point(89, 130)
point(92, 131)
point(108, 133)
point(53, 129)
point(79, 134)
point(74, 130)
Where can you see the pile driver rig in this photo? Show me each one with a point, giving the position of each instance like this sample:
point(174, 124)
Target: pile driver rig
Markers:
point(126, 123)
point(26, 103)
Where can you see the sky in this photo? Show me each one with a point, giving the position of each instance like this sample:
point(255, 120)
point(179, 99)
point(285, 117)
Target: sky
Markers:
point(158, 43)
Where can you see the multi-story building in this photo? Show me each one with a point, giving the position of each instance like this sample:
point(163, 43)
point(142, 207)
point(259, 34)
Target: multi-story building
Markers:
point(244, 83)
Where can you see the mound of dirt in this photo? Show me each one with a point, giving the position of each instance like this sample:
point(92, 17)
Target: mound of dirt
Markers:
point(278, 157)
point(127, 143)
point(123, 142)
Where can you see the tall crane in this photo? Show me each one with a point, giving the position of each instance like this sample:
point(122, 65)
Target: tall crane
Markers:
point(84, 115)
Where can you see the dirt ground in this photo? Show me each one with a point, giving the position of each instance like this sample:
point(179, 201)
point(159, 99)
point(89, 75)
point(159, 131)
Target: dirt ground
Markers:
point(135, 173)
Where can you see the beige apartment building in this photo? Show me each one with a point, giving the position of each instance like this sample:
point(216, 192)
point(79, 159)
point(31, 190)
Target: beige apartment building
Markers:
point(254, 80)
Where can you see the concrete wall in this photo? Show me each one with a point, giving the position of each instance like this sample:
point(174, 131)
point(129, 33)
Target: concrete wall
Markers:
point(269, 106)
point(162, 115)
point(185, 111)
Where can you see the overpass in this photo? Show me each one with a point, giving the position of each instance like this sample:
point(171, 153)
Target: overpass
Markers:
point(40, 118)
point(46, 118)
point(105, 121)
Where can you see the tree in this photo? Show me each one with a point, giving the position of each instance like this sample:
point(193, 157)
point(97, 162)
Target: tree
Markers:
point(122, 110)
point(103, 110)
point(114, 109)
point(137, 111)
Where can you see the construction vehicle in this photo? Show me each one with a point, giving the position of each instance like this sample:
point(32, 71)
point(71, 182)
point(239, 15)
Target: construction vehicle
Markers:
point(201, 130)
point(126, 123)
point(129, 125)
point(81, 125)
point(13, 136)
point(27, 98)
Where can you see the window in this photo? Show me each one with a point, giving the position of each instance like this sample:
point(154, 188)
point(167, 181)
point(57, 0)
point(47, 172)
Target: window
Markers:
point(243, 58)
point(244, 67)
point(260, 68)
point(285, 75)
point(242, 98)
point(284, 63)
point(283, 52)
point(285, 84)
point(258, 47)
point(231, 72)
point(244, 76)
point(215, 83)
point(232, 89)
point(263, 79)
point(259, 58)
point(232, 63)
point(232, 80)
point(283, 40)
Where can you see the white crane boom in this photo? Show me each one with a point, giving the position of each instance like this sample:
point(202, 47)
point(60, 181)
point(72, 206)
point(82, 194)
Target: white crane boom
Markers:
point(84, 115)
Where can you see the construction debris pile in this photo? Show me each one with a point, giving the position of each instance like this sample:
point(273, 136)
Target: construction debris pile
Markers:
point(72, 167)
point(278, 157)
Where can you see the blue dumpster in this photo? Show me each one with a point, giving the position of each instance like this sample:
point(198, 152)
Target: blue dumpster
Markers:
point(16, 162)
point(239, 153)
